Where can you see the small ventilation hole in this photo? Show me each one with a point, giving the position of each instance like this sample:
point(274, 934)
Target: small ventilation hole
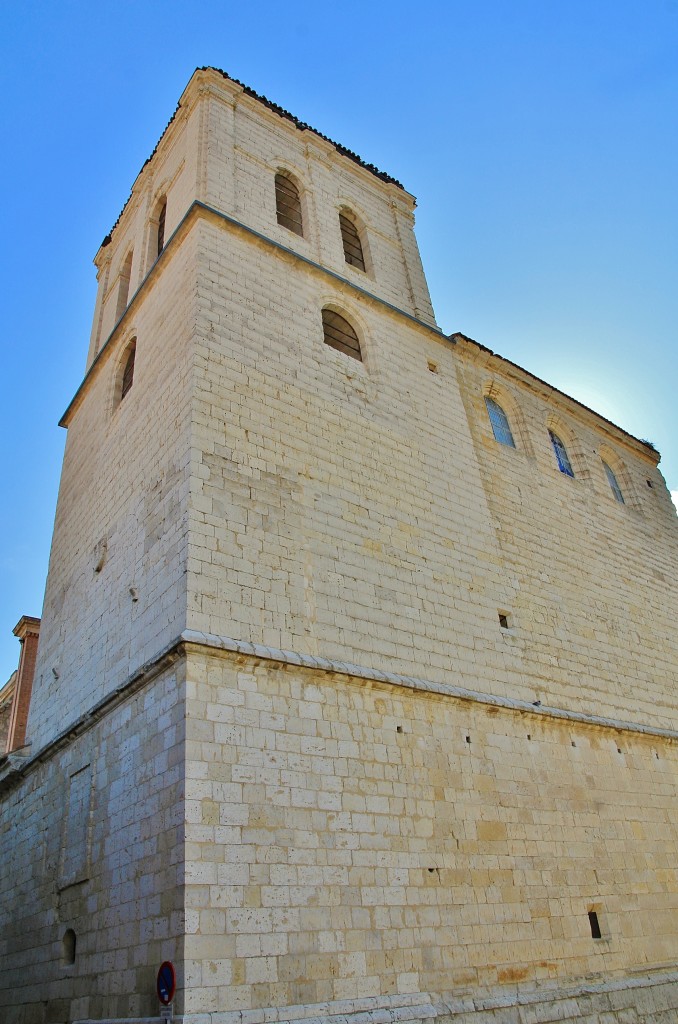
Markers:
point(468, 739)
point(595, 927)
point(68, 944)
point(399, 728)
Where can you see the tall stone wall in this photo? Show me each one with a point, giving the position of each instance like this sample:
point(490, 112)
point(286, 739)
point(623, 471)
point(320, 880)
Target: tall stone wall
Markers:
point(594, 580)
point(364, 511)
point(92, 842)
point(348, 839)
point(115, 595)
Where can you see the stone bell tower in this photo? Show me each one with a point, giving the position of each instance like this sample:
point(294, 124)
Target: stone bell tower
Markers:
point(349, 700)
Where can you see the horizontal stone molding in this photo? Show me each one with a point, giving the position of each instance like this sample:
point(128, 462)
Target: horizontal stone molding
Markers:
point(199, 209)
point(345, 668)
point(19, 763)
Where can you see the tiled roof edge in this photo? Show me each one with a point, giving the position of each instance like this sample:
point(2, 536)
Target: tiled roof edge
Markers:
point(302, 126)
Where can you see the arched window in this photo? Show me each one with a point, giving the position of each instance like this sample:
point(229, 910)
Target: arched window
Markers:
point(562, 458)
point(128, 372)
point(339, 334)
point(288, 204)
point(161, 227)
point(500, 423)
point(614, 483)
point(353, 250)
point(123, 287)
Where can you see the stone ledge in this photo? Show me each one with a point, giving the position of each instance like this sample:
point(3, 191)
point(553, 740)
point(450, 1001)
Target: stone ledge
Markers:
point(311, 661)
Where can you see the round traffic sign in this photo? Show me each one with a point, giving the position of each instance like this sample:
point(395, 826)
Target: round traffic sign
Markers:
point(166, 983)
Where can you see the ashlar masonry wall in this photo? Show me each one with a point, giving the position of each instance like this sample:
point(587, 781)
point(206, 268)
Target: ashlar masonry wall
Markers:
point(353, 840)
point(363, 511)
point(594, 580)
point(92, 841)
point(337, 505)
point(115, 596)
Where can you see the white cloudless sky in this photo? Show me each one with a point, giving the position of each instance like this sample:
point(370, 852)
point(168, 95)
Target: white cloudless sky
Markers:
point(540, 140)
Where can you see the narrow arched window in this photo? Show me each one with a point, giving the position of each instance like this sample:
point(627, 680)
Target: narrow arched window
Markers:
point(288, 204)
point(161, 227)
point(123, 287)
point(614, 483)
point(128, 372)
point(339, 334)
point(562, 458)
point(353, 250)
point(499, 422)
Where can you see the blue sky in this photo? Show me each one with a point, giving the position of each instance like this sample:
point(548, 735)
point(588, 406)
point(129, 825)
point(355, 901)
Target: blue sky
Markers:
point(540, 139)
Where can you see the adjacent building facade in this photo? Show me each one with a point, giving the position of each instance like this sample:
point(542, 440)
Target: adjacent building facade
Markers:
point(355, 689)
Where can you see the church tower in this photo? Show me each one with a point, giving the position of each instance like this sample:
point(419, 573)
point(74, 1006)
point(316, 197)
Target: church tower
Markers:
point(335, 697)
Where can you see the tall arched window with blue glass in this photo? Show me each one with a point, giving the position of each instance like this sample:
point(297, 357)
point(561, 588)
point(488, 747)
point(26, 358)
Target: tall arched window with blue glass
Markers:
point(562, 458)
point(499, 422)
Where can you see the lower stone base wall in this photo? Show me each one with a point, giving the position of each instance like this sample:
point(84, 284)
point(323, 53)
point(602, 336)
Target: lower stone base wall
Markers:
point(91, 864)
point(644, 999)
point(348, 840)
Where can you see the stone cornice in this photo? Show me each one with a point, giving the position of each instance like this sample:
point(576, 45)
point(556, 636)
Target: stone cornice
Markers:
point(197, 210)
point(311, 661)
point(26, 625)
point(20, 762)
